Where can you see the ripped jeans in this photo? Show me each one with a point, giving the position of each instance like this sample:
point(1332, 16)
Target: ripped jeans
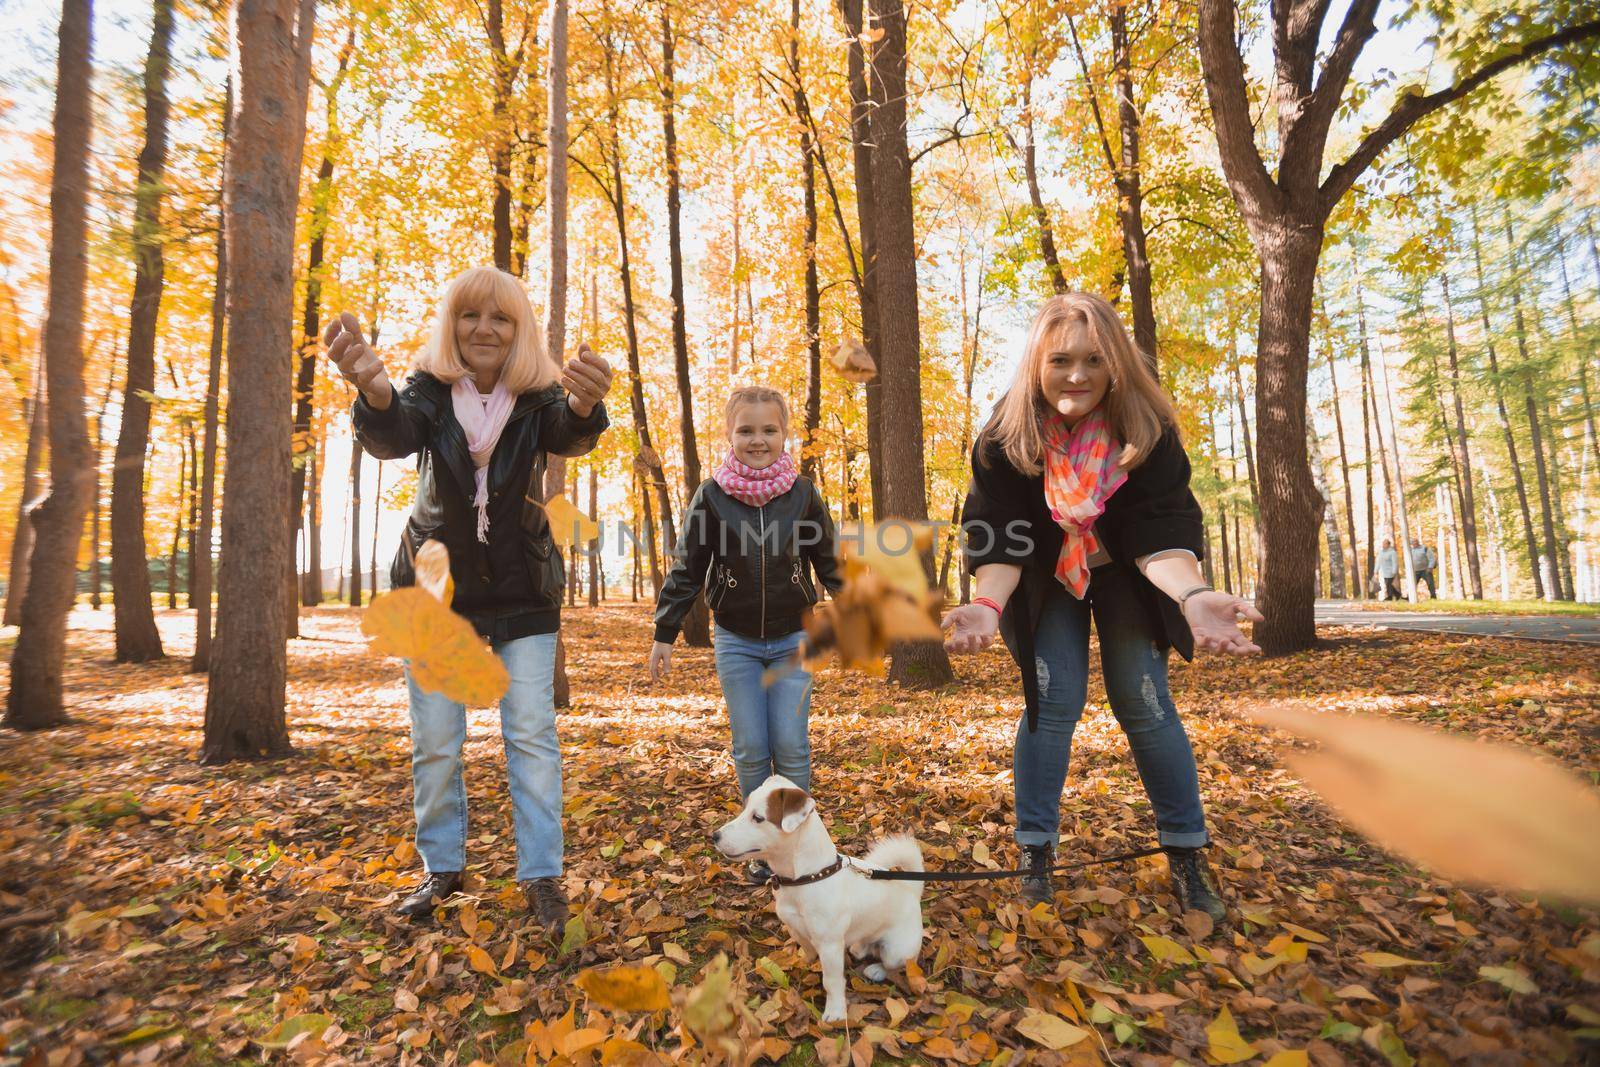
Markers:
point(1135, 672)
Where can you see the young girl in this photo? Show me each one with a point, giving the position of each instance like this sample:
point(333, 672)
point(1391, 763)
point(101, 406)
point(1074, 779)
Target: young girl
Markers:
point(1080, 506)
point(482, 410)
point(758, 526)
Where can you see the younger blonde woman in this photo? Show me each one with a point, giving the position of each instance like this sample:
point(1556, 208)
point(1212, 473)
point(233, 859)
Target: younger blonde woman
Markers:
point(753, 534)
point(483, 408)
point(1080, 509)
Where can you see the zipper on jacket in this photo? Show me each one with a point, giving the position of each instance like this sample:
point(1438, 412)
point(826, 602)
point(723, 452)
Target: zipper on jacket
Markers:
point(761, 548)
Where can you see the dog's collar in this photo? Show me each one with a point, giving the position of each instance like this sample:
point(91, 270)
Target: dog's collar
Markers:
point(778, 881)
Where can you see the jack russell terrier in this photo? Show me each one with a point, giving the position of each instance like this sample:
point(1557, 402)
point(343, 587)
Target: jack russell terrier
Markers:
point(827, 900)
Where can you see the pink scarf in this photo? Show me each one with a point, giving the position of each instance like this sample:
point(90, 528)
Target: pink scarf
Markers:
point(755, 486)
point(482, 417)
point(1080, 474)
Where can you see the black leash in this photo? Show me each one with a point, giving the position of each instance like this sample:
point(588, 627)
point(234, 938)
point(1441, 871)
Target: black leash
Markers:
point(976, 876)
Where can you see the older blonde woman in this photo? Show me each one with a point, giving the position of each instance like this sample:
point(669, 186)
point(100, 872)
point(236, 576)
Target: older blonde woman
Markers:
point(482, 409)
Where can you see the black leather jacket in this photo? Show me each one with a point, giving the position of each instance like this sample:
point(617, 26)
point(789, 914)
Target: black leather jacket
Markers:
point(753, 562)
point(512, 586)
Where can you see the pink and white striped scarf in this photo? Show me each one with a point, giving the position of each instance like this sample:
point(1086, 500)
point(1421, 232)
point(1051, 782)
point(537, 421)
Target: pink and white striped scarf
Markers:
point(482, 417)
point(1080, 474)
point(756, 485)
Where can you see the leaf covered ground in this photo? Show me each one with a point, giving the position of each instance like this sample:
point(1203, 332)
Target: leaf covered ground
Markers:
point(153, 910)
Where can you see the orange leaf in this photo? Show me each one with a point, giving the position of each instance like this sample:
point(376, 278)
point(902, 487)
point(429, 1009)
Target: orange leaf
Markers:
point(442, 651)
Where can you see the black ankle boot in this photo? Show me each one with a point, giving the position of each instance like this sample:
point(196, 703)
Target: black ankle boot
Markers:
point(1192, 885)
point(434, 889)
point(1036, 886)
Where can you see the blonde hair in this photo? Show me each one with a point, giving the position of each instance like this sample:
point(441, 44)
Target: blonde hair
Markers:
point(527, 368)
point(1137, 408)
point(756, 394)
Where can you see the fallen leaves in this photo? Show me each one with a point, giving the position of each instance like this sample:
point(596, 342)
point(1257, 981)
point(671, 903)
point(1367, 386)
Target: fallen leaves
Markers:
point(220, 906)
point(625, 988)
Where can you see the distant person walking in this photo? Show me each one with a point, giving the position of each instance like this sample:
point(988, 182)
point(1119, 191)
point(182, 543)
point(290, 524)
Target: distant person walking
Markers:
point(1386, 571)
point(1423, 561)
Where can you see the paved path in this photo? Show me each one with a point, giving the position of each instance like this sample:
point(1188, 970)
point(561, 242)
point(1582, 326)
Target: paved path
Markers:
point(1580, 629)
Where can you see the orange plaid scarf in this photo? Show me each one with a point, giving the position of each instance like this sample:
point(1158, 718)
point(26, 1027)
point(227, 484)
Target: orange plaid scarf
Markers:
point(1080, 474)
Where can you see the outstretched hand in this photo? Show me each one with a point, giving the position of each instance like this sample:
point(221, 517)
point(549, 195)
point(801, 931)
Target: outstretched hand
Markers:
point(972, 628)
point(587, 378)
point(1214, 616)
point(358, 364)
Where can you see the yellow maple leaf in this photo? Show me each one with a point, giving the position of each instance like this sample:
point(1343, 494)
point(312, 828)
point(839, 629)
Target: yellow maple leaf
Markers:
point(1226, 1044)
point(568, 525)
point(631, 987)
point(851, 360)
point(443, 653)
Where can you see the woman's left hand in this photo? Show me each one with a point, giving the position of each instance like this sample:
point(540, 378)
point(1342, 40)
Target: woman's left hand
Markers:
point(1214, 618)
point(587, 378)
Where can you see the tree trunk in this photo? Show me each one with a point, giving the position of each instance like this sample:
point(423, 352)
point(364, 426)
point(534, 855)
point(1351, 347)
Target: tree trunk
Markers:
point(1244, 419)
point(22, 542)
point(1525, 375)
point(1330, 519)
point(1504, 415)
point(355, 523)
point(810, 447)
point(193, 512)
point(245, 701)
point(177, 530)
point(305, 388)
point(208, 477)
point(1463, 454)
point(138, 640)
point(863, 144)
point(96, 508)
point(1359, 584)
point(654, 471)
point(905, 496)
point(1410, 586)
point(34, 700)
point(1585, 357)
point(1041, 214)
point(1290, 508)
point(503, 77)
point(1130, 196)
point(697, 623)
point(594, 553)
point(555, 336)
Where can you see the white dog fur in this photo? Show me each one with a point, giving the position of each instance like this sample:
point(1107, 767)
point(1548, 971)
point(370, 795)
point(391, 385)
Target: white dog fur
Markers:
point(876, 921)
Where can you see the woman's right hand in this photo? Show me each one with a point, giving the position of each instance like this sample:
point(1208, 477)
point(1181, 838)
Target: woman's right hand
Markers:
point(660, 660)
point(972, 628)
point(357, 362)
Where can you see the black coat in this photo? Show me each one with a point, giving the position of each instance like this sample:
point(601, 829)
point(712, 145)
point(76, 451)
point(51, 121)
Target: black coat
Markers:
point(758, 559)
point(512, 586)
point(1006, 520)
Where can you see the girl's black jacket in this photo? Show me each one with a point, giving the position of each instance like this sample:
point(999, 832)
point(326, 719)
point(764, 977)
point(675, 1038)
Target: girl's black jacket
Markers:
point(512, 586)
point(1006, 520)
point(758, 559)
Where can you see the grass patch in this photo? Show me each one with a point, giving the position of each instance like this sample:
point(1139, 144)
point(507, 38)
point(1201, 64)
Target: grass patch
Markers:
point(1478, 607)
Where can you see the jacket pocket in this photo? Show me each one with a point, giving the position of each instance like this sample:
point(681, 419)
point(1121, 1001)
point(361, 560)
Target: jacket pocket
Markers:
point(547, 573)
point(802, 579)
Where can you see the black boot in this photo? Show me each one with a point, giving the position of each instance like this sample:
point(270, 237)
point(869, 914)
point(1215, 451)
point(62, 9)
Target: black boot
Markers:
point(1036, 887)
point(434, 889)
point(547, 903)
point(1192, 885)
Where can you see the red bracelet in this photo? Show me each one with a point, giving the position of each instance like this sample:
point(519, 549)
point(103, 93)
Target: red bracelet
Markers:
point(988, 603)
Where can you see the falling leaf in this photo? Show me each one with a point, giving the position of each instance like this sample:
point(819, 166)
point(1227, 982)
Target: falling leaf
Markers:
point(850, 358)
point(627, 988)
point(1513, 979)
point(432, 568)
point(708, 1009)
point(1289, 1058)
point(568, 525)
point(892, 550)
point(1051, 1031)
point(442, 651)
point(1226, 1044)
point(1493, 814)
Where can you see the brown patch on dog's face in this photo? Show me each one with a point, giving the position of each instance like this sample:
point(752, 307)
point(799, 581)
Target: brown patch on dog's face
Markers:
point(781, 802)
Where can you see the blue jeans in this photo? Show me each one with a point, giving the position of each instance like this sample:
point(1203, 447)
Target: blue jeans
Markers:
point(769, 723)
point(1135, 672)
point(533, 763)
